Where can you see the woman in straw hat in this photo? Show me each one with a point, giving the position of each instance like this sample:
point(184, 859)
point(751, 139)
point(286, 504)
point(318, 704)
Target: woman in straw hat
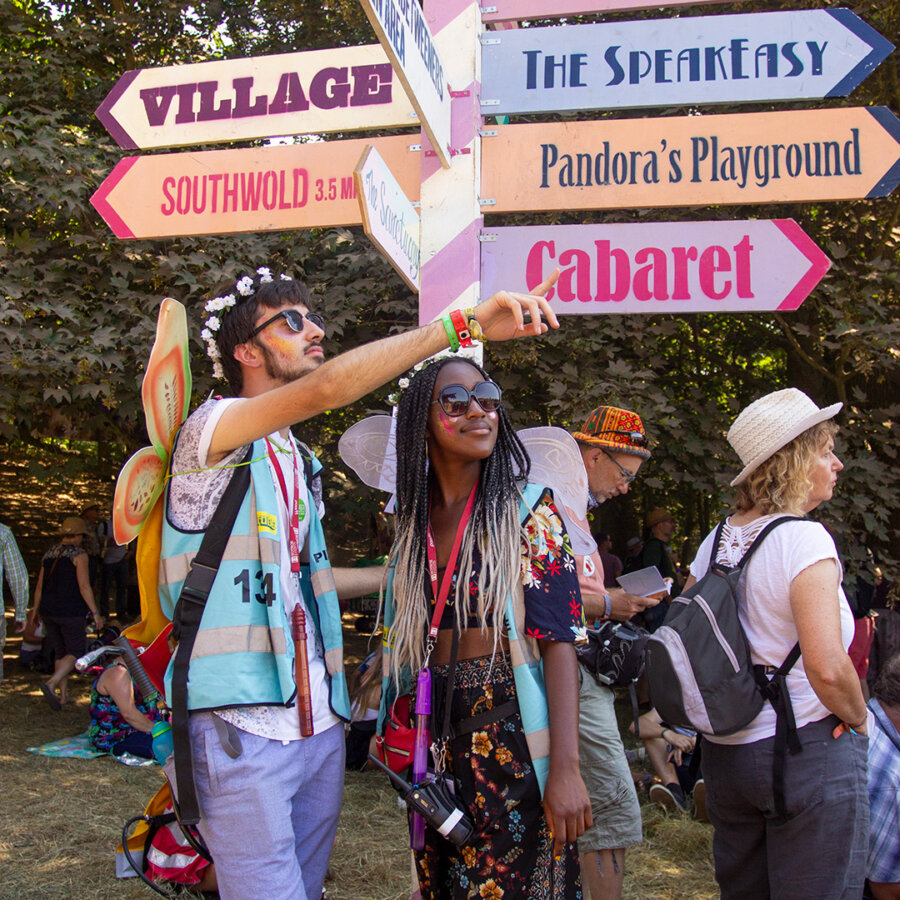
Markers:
point(62, 599)
point(816, 847)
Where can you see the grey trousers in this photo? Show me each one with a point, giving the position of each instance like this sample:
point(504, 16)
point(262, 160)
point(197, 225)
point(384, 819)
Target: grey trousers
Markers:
point(818, 850)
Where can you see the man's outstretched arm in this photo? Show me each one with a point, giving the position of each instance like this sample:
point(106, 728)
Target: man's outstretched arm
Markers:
point(346, 378)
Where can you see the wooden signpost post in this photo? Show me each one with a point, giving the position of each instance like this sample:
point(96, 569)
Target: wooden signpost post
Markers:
point(659, 267)
point(673, 62)
point(343, 89)
point(842, 153)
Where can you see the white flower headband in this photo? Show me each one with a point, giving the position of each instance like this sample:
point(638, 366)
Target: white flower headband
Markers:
point(218, 305)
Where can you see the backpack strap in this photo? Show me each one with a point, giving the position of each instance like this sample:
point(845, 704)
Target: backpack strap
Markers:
point(186, 622)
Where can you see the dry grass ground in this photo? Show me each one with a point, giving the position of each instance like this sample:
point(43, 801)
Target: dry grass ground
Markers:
point(60, 819)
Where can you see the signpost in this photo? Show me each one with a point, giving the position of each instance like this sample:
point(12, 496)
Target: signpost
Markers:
point(405, 35)
point(511, 10)
point(342, 89)
point(666, 62)
point(389, 219)
point(256, 189)
point(820, 154)
point(659, 267)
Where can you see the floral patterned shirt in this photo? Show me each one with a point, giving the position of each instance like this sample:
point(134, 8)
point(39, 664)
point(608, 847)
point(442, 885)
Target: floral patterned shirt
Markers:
point(552, 597)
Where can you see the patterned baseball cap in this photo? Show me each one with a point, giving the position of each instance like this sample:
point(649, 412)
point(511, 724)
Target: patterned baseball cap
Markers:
point(615, 429)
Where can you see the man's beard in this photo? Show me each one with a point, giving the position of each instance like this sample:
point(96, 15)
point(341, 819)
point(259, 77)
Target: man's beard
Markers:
point(286, 371)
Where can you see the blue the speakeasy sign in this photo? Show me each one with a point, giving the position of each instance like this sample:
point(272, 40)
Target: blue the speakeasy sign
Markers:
point(670, 62)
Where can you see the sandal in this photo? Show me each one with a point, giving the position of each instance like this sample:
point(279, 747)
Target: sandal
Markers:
point(51, 698)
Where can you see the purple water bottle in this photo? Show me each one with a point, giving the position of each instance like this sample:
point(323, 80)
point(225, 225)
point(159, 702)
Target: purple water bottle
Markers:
point(420, 751)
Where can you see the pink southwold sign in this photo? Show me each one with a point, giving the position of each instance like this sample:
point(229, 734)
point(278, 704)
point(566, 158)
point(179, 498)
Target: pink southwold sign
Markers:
point(509, 10)
point(253, 189)
point(658, 267)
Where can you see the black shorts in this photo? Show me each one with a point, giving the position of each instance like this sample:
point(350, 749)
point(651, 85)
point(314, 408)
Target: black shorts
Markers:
point(66, 635)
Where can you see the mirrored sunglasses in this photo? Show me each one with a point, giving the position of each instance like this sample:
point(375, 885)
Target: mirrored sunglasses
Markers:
point(294, 320)
point(454, 399)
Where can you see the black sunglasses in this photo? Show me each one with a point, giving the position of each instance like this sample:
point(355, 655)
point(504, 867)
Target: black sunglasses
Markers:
point(454, 399)
point(635, 437)
point(294, 320)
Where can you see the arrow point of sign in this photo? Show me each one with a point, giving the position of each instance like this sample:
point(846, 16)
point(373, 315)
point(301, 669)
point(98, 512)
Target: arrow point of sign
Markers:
point(819, 263)
point(881, 50)
point(101, 203)
point(891, 124)
point(106, 117)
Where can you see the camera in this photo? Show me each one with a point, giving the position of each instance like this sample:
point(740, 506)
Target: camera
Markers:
point(431, 799)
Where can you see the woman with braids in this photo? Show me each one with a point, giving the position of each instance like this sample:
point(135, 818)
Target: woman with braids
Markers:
point(513, 610)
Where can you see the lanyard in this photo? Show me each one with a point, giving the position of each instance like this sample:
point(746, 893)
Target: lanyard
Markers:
point(293, 511)
point(440, 596)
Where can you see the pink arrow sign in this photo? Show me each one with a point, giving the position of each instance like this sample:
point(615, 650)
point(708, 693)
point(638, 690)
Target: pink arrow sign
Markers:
point(658, 267)
point(254, 189)
point(510, 10)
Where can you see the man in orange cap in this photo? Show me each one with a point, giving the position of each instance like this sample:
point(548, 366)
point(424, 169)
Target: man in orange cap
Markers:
point(613, 447)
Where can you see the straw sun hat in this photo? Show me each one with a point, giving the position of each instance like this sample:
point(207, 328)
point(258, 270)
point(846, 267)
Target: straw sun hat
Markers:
point(71, 526)
point(772, 422)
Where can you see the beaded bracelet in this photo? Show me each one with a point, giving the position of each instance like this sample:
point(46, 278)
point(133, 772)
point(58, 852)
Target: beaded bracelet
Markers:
point(474, 326)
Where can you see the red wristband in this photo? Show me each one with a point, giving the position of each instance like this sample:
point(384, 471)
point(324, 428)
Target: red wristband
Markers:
point(462, 328)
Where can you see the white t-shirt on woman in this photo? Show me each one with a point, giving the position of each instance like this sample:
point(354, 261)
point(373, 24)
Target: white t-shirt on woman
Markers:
point(765, 607)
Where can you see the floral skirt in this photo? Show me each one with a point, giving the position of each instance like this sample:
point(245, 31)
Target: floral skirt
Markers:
point(511, 855)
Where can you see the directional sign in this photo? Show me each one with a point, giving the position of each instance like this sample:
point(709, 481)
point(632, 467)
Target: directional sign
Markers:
point(658, 267)
point(666, 62)
point(343, 89)
point(773, 157)
point(404, 34)
point(510, 10)
point(389, 219)
point(257, 189)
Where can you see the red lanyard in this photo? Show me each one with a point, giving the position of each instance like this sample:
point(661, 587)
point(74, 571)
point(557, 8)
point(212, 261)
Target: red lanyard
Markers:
point(441, 595)
point(293, 512)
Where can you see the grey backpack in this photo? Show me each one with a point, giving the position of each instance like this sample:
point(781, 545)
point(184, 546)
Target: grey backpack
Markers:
point(698, 662)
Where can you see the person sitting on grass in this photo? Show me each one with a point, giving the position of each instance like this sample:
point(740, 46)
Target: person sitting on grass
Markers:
point(670, 751)
point(121, 719)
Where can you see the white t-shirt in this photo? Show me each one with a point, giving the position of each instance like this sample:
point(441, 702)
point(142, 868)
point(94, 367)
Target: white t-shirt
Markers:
point(765, 608)
point(193, 498)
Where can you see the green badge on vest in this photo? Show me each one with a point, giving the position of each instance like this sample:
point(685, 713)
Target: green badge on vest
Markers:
point(301, 511)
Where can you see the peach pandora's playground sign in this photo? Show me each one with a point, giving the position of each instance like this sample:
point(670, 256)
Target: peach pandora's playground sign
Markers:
point(343, 89)
point(227, 191)
point(662, 267)
point(772, 157)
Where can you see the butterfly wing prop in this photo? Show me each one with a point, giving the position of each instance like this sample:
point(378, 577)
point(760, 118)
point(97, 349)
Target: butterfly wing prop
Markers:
point(557, 463)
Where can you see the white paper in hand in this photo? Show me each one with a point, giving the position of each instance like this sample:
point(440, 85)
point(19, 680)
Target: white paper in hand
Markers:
point(644, 583)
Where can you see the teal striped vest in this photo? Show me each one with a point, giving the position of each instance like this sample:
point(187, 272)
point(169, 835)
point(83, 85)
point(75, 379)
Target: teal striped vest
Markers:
point(525, 657)
point(243, 654)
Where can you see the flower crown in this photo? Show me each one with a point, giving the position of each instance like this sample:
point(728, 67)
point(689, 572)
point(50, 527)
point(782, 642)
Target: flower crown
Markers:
point(217, 305)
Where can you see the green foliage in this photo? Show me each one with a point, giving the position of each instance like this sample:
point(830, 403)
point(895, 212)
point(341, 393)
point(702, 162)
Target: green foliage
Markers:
point(78, 307)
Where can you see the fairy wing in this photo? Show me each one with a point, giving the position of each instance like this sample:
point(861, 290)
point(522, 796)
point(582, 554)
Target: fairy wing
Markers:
point(166, 390)
point(557, 463)
point(369, 448)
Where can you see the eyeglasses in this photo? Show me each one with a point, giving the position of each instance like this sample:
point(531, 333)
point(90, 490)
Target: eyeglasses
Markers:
point(628, 476)
point(454, 399)
point(639, 439)
point(294, 320)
